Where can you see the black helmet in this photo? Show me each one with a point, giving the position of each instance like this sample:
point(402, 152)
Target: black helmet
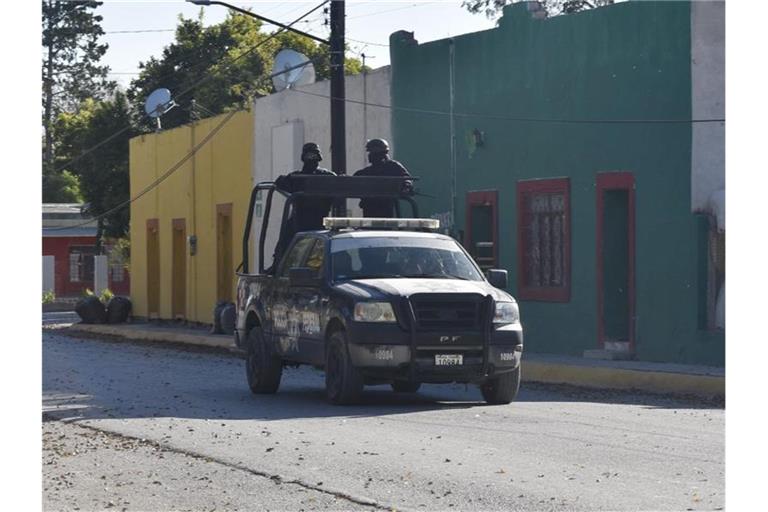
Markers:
point(311, 147)
point(377, 146)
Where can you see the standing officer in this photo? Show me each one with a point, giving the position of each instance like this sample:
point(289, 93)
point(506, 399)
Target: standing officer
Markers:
point(381, 165)
point(308, 212)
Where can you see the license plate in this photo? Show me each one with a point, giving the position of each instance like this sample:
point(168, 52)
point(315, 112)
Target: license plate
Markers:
point(448, 359)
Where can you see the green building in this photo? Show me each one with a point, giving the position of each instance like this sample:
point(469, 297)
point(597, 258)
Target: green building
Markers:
point(585, 154)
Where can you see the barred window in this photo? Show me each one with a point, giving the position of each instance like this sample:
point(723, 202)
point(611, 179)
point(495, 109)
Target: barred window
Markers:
point(81, 264)
point(544, 240)
point(118, 272)
point(74, 268)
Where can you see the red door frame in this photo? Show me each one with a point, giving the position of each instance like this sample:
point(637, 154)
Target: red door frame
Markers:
point(483, 198)
point(616, 181)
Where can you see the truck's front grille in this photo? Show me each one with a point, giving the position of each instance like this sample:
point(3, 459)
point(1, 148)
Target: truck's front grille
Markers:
point(447, 311)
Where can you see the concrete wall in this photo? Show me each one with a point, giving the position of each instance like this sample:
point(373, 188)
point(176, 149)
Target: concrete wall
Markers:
point(708, 102)
point(219, 173)
point(284, 121)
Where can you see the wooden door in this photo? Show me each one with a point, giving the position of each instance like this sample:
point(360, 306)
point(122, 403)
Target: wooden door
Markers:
point(153, 268)
point(224, 270)
point(179, 269)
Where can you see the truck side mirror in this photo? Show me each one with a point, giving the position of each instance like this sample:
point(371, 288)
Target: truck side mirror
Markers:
point(498, 278)
point(303, 276)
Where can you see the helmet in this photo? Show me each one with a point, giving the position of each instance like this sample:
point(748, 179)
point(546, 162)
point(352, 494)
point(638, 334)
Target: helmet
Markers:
point(377, 146)
point(311, 147)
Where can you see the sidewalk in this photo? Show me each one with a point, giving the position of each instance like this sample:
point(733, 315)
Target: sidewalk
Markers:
point(702, 381)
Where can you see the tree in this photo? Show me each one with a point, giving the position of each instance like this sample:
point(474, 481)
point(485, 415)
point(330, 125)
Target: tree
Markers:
point(61, 187)
point(492, 8)
point(103, 172)
point(70, 66)
point(232, 58)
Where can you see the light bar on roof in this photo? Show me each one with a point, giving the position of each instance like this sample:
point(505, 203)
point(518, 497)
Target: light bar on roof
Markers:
point(379, 222)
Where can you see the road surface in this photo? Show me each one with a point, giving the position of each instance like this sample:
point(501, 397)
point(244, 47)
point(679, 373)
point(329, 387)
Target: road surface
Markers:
point(147, 427)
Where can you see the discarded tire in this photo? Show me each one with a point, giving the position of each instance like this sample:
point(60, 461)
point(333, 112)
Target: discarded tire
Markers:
point(91, 310)
point(227, 319)
point(118, 310)
point(217, 317)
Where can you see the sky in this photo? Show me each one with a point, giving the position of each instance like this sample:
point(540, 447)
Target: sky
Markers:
point(368, 25)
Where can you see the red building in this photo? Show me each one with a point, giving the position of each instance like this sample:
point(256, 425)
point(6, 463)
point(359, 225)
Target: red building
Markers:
point(72, 246)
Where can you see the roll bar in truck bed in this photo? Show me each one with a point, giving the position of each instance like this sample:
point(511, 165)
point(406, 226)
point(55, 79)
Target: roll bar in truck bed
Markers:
point(334, 187)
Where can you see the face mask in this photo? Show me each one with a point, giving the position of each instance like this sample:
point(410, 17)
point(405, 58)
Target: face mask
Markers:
point(375, 157)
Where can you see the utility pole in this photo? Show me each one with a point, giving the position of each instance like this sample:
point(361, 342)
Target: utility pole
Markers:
point(338, 96)
point(338, 119)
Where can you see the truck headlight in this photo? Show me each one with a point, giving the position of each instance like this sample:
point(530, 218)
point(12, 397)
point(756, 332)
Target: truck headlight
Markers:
point(374, 312)
point(506, 313)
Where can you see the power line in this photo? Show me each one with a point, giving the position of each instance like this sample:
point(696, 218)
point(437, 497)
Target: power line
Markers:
point(518, 119)
point(159, 180)
point(367, 42)
point(390, 10)
point(184, 159)
point(141, 31)
point(195, 84)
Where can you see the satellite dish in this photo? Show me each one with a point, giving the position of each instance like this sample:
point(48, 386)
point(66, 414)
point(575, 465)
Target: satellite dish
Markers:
point(290, 69)
point(158, 103)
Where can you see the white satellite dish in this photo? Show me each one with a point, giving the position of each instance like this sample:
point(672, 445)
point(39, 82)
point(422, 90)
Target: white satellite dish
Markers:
point(290, 69)
point(158, 103)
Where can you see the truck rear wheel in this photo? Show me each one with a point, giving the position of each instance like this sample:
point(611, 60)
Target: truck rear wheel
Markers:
point(343, 382)
point(503, 388)
point(262, 368)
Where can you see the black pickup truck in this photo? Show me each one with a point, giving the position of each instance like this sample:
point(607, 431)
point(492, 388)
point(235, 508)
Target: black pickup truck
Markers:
point(377, 301)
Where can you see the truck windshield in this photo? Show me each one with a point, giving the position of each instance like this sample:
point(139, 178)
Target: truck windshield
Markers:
point(400, 257)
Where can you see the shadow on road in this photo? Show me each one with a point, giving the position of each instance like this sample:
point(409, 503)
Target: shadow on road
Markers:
point(94, 379)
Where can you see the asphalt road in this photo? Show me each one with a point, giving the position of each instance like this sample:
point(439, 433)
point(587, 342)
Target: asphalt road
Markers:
point(147, 427)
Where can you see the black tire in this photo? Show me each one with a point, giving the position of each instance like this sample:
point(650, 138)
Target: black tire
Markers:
point(502, 389)
point(227, 319)
point(118, 310)
point(403, 386)
point(217, 317)
point(343, 382)
point(263, 368)
point(91, 310)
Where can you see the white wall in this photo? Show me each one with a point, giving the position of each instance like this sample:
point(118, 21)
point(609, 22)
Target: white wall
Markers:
point(708, 102)
point(284, 121)
point(49, 282)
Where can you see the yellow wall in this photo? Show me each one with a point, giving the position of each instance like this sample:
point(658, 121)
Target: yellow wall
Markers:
point(222, 174)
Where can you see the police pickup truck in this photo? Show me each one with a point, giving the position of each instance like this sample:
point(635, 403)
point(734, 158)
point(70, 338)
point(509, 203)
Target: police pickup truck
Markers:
point(378, 301)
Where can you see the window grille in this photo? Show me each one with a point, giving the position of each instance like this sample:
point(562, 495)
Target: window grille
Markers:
point(544, 239)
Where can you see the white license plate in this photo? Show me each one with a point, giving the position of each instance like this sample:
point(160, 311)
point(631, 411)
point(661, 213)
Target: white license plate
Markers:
point(448, 359)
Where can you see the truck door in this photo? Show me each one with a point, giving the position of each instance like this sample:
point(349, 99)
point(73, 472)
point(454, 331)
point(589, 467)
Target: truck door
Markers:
point(309, 301)
point(286, 313)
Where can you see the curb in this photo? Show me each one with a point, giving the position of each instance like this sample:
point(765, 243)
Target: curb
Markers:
point(159, 335)
point(705, 386)
point(582, 375)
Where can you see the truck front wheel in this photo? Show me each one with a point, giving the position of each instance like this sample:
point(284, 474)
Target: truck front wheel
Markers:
point(343, 382)
point(262, 368)
point(503, 388)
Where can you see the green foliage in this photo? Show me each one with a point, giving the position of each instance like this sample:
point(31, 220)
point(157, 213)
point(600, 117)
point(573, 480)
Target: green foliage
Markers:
point(121, 253)
point(88, 292)
point(103, 172)
point(492, 8)
point(48, 296)
point(70, 66)
point(61, 187)
point(106, 296)
point(71, 33)
point(227, 56)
